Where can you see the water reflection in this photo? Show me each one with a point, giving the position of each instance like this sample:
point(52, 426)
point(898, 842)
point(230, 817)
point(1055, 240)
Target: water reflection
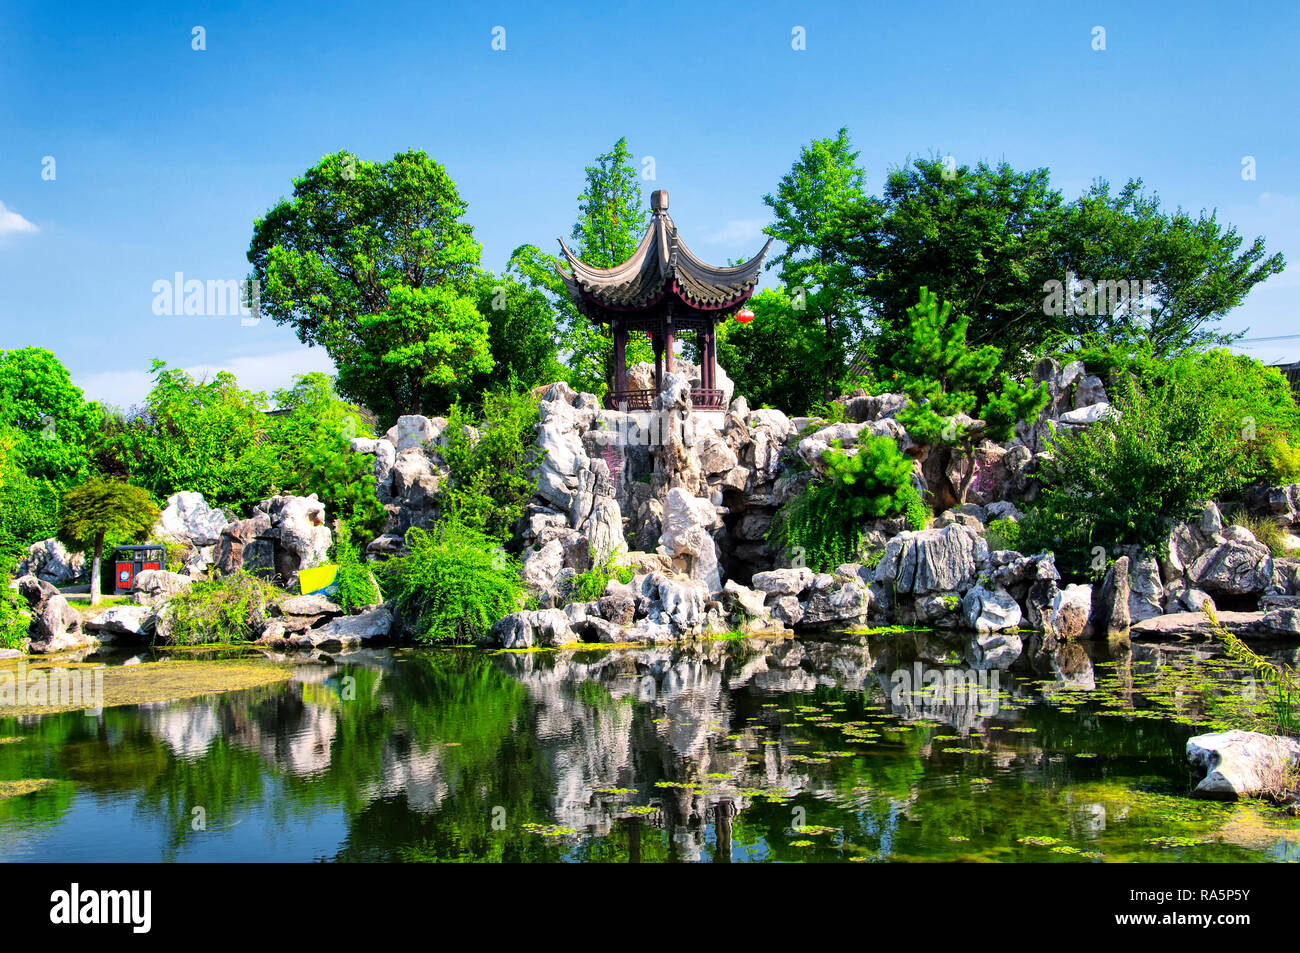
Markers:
point(856, 748)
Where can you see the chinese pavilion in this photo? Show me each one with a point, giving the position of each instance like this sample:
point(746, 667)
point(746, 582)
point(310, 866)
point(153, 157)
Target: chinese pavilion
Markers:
point(662, 289)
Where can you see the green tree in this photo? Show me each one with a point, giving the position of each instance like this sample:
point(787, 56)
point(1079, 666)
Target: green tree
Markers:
point(1197, 269)
point(101, 509)
point(958, 397)
point(208, 436)
point(1121, 480)
point(310, 435)
point(778, 359)
point(374, 262)
point(612, 217)
point(821, 213)
point(53, 426)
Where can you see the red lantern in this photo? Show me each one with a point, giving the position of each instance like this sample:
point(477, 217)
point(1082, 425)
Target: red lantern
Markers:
point(744, 316)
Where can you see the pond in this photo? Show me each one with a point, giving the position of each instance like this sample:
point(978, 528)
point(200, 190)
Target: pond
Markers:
point(864, 748)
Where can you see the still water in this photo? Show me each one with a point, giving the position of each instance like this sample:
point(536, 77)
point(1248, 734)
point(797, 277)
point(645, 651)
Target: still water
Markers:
point(866, 749)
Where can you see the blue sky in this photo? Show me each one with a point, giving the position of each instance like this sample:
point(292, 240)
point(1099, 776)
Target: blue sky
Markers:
point(165, 155)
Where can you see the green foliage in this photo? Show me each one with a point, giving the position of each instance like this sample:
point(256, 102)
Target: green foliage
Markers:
point(1004, 534)
point(824, 522)
point(354, 585)
point(492, 461)
point(311, 434)
point(222, 609)
point(778, 359)
point(208, 436)
point(1120, 481)
point(105, 509)
point(944, 377)
point(816, 208)
point(13, 620)
point(49, 424)
point(29, 506)
point(612, 217)
point(1281, 682)
point(590, 585)
point(916, 510)
point(453, 584)
point(373, 262)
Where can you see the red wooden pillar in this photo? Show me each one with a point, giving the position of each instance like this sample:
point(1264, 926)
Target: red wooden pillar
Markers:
point(620, 358)
point(709, 373)
point(657, 343)
point(668, 343)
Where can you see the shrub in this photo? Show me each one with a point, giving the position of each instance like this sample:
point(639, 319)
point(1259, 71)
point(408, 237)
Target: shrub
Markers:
point(591, 584)
point(1121, 480)
point(354, 585)
point(13, 620)
point(1264, 530)
point(454, 584)
point(1003, 534)
point(223, 609)
point(493, 463)
point(825, 521)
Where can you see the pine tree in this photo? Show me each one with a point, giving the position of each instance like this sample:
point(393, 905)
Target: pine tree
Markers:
point(957, 396)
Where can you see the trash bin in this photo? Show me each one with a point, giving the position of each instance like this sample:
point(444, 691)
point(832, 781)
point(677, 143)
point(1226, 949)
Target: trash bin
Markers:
point(128, 561)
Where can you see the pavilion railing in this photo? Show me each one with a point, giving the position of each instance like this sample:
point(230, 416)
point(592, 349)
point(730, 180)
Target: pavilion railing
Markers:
point(701, 399)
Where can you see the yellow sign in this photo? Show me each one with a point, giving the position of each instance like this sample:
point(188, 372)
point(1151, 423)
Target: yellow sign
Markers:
point(317, 579)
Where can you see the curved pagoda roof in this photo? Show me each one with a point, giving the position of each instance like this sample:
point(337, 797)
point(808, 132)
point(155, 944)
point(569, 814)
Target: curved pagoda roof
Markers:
point(662, 267)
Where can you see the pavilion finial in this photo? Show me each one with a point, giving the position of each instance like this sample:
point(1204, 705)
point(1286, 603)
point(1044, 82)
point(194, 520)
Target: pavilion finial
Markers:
point(659, 200)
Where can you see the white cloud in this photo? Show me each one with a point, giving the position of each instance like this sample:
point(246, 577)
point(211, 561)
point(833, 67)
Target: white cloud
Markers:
point(11, 223)
point(737, 231)
point(264, 372)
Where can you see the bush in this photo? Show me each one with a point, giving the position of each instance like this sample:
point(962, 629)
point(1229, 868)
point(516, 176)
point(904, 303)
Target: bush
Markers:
point(492, 462)
point(825, 521)
point(1003, 534)
point(219, 610)
point(1122, 480)
point(13, 620)
point(354, 585)
point(454, 584)
point(591, 584)
point(1264, 530)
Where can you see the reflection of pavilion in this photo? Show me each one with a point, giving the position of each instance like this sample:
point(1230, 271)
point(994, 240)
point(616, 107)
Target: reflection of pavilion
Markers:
point(662, 289)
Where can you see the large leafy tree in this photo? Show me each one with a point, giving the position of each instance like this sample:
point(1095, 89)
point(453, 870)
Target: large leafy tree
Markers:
point(958, 394)
point(612, 217)
point(204, 435)
point(982, 238)
point(53, 426)
point(374, 262)
point(104, 509)
point(777, 360)
point(1197, 269)
point(822, 216)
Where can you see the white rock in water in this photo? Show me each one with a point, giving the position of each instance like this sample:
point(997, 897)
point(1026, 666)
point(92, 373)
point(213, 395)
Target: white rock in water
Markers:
point(1241, 763)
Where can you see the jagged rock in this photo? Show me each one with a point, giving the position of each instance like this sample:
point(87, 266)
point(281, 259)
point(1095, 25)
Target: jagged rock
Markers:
point(564, 459)
point(35, 591)
point(686, 532)
point(749, 601)
point(413, 432)
point(784, 582)
point(1282, 621)
point(1111, 607)
point(942, 560)
point(836, 600)
point(365, 626)
point(1085, 416)
point(541, 627)
point(618, 607)
point(990, 610)
point(121, 620)
point(785, 609)
point(50, 560)
point(1090, 392)
point(541, 566)
point(55, 626)
point(1071, 613)
point(152, 586)
point(187, 516)
point(1233, 569)
point(1241, 763)
point(674, 601)
point(1180, 597)
point(1146, 595)
point(641, 563)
